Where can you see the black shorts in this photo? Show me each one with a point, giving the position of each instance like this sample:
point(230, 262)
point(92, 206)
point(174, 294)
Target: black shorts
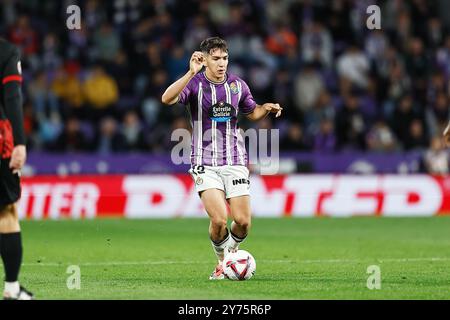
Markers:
point(9, 184)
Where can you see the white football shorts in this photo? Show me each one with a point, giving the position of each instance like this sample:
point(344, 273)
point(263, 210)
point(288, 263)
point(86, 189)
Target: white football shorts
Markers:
point(233, 180)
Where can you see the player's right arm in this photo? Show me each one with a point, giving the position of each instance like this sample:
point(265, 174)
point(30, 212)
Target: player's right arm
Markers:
point(172, 93)
point(12, 101)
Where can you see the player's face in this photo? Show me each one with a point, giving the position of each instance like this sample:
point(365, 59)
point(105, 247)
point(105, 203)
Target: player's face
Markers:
point(216, 64)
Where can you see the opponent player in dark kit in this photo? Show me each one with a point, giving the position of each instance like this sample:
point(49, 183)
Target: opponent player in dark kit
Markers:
point(12, 159)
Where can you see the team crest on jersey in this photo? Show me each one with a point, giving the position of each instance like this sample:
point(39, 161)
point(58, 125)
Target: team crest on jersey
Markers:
point(234, 88)
point(221, 112)
point(199, 181)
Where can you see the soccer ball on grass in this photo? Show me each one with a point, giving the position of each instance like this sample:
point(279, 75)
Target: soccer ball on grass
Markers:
point(239, 265)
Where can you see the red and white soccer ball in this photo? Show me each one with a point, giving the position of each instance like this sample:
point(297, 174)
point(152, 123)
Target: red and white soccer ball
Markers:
point(239, 265)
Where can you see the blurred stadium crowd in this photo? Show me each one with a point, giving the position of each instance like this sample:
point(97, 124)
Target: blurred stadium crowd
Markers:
point(342, 86)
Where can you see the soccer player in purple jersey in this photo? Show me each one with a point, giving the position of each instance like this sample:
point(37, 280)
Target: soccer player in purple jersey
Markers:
point(218, 156)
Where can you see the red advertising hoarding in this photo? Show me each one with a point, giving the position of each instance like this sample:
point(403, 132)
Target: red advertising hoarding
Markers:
point(164, 196)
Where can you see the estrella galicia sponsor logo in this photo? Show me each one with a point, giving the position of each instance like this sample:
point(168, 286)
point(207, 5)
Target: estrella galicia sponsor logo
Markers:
point(240, 181)
point(221, 112)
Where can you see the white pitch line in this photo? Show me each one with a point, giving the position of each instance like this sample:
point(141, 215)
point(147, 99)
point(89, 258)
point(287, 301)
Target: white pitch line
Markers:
point(131, 263)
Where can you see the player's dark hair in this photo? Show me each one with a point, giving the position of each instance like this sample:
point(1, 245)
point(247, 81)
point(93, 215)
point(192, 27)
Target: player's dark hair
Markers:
point(213, 43)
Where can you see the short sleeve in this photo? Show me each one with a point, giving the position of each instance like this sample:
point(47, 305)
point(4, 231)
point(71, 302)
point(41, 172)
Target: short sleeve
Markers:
point(185, 94)
point(11, 77)
point(247, 104)
point(12, 70)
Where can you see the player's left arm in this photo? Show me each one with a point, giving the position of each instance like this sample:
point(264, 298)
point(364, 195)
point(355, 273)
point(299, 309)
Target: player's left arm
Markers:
point(261, 111)
point(12, 100)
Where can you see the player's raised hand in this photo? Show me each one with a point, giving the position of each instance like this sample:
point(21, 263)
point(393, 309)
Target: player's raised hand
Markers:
point(196, 63)
point(446, 135)
point(18, 158)
point(273, 108)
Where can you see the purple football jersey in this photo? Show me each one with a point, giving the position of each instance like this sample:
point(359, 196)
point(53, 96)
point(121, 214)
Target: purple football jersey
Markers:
point(216, 139)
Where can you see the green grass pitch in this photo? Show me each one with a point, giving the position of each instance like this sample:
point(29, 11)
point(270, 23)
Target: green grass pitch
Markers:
point(316, 258)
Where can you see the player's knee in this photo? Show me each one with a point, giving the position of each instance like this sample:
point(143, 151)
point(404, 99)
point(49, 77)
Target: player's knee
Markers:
point(8, 212)
point(218, 223)
point(4, 211)
point(244, 222)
